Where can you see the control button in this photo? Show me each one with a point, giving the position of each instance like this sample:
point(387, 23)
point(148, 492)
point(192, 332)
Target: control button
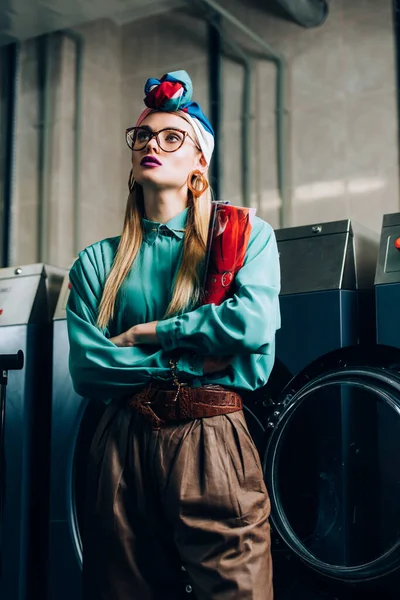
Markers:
point(397, 243)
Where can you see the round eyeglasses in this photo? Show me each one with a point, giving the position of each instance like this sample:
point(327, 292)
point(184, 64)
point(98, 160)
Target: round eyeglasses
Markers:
point(169, 139)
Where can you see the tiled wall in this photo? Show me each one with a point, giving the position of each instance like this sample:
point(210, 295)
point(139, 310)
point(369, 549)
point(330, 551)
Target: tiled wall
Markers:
point(341, 113)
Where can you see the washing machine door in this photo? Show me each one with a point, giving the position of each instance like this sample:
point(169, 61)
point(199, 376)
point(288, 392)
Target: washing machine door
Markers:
point(91, 416)
point(332, 465)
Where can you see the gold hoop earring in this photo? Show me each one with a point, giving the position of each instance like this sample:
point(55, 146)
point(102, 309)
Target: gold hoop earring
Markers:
point(199, 179)
point(131, 182)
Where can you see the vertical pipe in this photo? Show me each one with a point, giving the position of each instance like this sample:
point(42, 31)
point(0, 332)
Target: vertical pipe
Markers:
point(9, 84)
point(79, 46)
point(281, 133)
point(246, 131)
point(215, 70)
point(248, 66)
point(396, 24)
point(44, 47)
point(281, 146)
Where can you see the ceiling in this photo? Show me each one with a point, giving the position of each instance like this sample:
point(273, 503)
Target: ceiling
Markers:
point(24, 19)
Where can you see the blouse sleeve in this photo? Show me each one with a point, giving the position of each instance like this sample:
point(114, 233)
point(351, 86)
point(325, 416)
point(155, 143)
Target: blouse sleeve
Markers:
point(243, 324)
point(100, 369)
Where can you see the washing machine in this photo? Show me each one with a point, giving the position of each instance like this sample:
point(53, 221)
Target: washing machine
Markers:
point(319, 417)
point(28, 296)
point(73, 423)
point(328, 274)
point(327, 303)
point(332, 455)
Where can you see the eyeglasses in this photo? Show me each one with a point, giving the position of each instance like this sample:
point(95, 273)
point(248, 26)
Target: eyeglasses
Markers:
point(168, 140)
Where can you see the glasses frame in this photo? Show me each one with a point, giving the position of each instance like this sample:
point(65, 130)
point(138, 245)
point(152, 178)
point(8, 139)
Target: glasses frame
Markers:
point(154, 134)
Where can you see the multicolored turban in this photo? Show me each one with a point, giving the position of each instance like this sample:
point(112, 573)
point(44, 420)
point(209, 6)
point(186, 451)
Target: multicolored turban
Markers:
point(173, 92)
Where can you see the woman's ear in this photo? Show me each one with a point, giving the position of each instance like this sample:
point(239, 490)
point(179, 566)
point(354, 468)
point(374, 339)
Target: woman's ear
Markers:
point(202, 164)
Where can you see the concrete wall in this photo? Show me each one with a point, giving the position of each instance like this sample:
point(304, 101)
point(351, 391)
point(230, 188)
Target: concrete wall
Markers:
point(341, 115)
point(341, 111)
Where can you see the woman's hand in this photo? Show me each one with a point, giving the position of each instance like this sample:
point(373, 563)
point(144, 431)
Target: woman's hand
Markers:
point(125, 339)
point(145, 333)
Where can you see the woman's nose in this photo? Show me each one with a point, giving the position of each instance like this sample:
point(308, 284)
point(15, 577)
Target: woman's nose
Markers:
point(152, 145)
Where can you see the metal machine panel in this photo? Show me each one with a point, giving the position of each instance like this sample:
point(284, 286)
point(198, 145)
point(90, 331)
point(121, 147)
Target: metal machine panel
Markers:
point(27, 301)
point(388, 267)
point(327, 299)
point(329, 256)
point(314, 324)
point(73, 422)
point(24, 290)
point(387, 283)
point(60, 312)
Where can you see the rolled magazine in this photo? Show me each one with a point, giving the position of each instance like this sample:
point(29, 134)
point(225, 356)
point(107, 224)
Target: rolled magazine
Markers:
point(228, 238)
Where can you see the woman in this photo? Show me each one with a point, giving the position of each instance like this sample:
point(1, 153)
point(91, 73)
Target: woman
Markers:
point(174, 478)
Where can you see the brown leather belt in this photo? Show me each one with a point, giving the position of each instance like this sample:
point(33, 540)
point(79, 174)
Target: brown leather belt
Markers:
point(162, 405)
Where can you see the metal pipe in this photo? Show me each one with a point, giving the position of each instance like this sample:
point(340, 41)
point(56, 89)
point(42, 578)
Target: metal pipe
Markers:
point(10, 85)
point(78, 39)
point(396, 27)
point(308, 13)
point(215, 70)
point(281, 133)
point(45, 56)
point(247, 63)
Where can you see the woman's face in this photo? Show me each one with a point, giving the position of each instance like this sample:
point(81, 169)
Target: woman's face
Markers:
point(174, 167)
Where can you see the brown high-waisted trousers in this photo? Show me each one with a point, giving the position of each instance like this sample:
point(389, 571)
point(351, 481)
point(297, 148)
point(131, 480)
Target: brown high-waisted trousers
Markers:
point(188, 496)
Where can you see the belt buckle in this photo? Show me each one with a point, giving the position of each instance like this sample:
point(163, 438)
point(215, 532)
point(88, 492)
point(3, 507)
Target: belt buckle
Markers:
point(226, 278)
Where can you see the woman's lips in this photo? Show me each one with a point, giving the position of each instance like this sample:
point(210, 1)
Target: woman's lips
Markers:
point(150, 161)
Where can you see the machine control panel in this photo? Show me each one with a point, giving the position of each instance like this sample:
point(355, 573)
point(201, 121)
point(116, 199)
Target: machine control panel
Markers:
point(392, 254)
point(18, 289)
point(388, 267)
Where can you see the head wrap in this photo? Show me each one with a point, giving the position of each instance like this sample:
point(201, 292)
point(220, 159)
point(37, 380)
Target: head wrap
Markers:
point(173, 92)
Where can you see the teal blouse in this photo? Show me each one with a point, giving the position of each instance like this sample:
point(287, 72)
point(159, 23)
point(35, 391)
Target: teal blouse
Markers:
point(243, 325)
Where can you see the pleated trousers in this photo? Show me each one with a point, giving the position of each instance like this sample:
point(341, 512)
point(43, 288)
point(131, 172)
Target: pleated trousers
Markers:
point(179, 512)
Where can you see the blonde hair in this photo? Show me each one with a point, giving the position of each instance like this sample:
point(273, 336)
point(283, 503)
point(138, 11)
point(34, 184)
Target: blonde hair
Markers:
point(187, 291)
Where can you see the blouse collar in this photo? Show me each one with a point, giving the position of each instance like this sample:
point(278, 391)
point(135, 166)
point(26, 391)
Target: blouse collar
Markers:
point(175, 226)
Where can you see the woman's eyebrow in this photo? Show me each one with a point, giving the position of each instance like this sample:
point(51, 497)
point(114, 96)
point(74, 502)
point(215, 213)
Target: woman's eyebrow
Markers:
point(162, 128)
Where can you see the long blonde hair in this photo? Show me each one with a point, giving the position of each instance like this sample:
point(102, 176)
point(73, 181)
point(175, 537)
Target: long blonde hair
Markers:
point(187, 290)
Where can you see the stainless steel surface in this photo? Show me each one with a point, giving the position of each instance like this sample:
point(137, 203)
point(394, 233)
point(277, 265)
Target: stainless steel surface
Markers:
point(23, 291)
point(60, 312)
point(388, 267)
point(304, 231)
point(391, 219)
point(327, 256)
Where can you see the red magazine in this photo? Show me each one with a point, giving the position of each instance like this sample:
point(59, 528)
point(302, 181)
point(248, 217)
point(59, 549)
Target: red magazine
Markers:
point(228, 238)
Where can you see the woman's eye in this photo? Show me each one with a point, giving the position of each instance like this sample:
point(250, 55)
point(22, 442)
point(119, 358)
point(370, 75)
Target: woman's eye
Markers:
point(172, 137)
point(142, 137)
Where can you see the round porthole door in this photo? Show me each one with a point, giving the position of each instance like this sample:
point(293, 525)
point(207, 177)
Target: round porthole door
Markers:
point(332, 468)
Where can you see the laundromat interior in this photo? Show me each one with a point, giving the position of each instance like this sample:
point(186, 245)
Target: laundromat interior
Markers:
point(304, 100)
